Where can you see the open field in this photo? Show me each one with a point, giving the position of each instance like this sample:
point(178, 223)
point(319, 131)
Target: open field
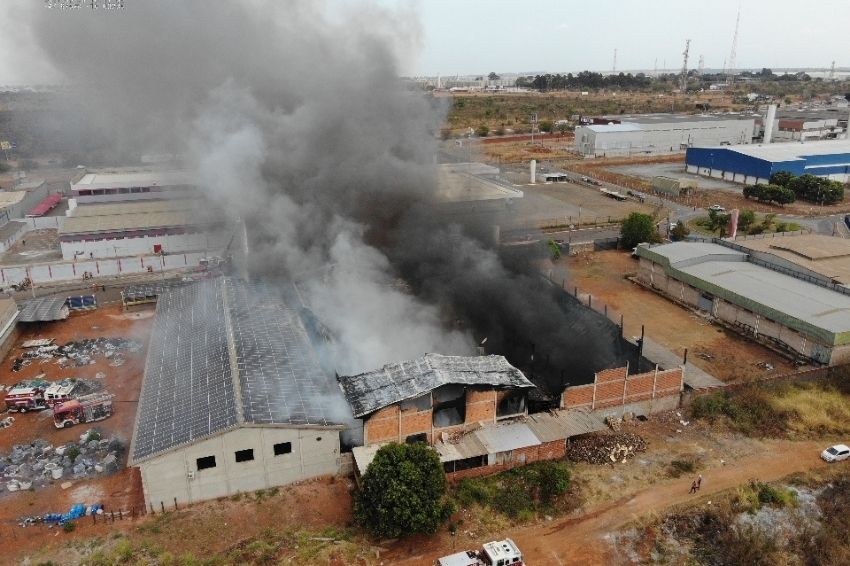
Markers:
point(718, 351)
point(512, 110)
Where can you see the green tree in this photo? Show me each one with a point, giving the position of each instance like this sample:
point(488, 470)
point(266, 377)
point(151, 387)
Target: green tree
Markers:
point(493, 76)
point(402, 491)
point(638, 228)
point(545, 126)
point(554, 249)
point(746, 219)
point(781, 178)
point(482, 131)
point(679, 231)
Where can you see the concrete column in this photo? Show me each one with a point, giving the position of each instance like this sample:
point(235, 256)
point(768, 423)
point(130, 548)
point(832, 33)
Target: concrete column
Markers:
point(768, 123)
point(533, 171)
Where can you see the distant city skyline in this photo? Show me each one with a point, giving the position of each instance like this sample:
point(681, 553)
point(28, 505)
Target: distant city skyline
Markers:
point(474, 37)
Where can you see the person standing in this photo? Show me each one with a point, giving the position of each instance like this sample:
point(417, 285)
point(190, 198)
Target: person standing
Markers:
point(693, 487)
point(699, 482)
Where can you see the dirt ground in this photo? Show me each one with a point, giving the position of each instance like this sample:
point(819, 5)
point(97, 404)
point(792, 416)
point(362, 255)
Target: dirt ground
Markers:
point(119, 491)
point(36, 246)
point(718, 351)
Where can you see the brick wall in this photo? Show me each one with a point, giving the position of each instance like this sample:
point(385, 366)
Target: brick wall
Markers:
point(554, 450)
point(394, 424)
point(613, 388)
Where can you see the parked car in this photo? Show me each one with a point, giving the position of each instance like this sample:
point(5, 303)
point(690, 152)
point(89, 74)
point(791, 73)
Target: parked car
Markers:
point(717, 208)
point(847, 220)
point(836, 453)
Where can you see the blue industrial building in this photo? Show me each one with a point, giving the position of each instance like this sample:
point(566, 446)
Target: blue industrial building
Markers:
point(751, 164)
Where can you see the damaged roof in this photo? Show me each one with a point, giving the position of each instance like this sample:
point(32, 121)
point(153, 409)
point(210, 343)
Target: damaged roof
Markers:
point(44, 309)
point(223, 354)
point(395, 382)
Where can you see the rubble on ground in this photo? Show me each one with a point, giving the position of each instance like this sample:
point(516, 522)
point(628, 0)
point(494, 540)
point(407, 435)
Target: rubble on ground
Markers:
point(30, 466)
point(605, 448)
point(79, 353)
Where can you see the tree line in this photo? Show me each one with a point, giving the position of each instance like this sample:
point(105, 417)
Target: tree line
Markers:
point(785, 188)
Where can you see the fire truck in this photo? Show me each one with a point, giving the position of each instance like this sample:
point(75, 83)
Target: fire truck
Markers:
point(59, 392)
point(85, 409)
point(496, 553)
point(25, 397)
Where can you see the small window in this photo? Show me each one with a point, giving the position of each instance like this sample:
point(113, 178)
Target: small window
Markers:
point(282, 448)
point(414, 438)
point(205, 462)
point(244, 455)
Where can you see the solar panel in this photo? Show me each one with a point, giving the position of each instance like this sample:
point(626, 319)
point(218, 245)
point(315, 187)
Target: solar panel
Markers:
point(188, 391)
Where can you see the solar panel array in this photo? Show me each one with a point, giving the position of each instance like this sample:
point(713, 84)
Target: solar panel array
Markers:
point(43, 309)
point(188, 388)
point(280, 377)
point(151, 289)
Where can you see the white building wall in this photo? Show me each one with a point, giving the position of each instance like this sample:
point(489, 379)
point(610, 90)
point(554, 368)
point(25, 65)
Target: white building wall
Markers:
point(315, 453)
point(664, 137)
point(128, 247)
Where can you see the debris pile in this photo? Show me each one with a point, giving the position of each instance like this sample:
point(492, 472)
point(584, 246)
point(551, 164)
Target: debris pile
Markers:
point(605, 448)
point(76, 512)
point(29, 466)
point(79, 353)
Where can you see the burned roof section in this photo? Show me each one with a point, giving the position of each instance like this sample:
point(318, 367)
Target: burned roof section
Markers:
point(44, 309)
point(226, 353)
point(370, 391)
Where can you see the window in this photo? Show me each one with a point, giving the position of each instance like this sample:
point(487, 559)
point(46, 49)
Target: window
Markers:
point(414, 438)
point(282, 448)
point(205, 462)
point(244, 455)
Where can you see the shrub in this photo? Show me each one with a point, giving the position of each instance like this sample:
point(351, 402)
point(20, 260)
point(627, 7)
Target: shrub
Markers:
point(679, 467)
point(638, 228)
point(553, 480)
point(402, 491)
point(482, 131)
point(471, 491)
point(512, 501)
point(72, 453)
point(69, 527)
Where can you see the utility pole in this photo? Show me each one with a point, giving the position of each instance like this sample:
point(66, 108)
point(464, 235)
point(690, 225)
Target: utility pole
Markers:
point(614, 65)
point(684, 84)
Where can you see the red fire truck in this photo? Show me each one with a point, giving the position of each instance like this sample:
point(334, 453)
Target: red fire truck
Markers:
point(86, 409)
point(25, 397)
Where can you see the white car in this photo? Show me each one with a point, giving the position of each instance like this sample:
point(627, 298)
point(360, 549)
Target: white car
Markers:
point(717, 207)
point(836, 453)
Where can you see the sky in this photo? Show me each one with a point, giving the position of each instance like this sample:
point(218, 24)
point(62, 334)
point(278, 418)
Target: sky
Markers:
point(450, 37)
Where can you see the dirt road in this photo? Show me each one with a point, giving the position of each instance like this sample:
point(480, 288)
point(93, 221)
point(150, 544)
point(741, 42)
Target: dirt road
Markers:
point(579, 540)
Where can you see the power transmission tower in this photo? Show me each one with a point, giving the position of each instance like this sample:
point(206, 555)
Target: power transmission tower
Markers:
point(684, 85)
point(734, 53)
point(832, 71)
point(614, 65)
point(701, 64)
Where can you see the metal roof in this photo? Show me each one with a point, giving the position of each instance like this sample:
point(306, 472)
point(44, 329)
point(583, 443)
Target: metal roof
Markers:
point(135, 207)
point(826, 255)
point(223, 354)
point(128, 179)
point(774, 152)
point(151, 289)
point(607, 128)
point(125, 222)
point(564, 424)
point(11, 198)
point(43, 309)
point(725, 272)
point(397, 381)
point(503, 438)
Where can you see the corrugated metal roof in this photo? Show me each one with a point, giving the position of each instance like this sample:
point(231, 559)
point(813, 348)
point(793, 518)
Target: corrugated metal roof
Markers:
point(135, 207)
point(370, 391)
point(125, 222)
point(44, 309)
point(127, 179)
point(775, 152)
point(564, 424)
point(506, 437)
point(608, 128)
point(468, 445)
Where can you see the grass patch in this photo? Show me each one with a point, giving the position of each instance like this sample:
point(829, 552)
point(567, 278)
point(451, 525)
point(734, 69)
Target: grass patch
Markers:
point(519, 494)
point(678, 468)
point(798, 409)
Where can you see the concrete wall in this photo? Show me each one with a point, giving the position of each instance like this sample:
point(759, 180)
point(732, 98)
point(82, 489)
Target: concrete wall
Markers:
point(128, 247)
point(73, 270)
point(315, 453)
point(396, 422)
point(614, 391)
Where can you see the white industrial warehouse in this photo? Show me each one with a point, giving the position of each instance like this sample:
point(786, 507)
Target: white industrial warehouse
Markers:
point(233, 398)
point(662, 133)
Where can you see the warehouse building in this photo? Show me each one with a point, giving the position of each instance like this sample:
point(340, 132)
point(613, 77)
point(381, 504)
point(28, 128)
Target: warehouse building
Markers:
point(751, 164)
point(779, 307)
point(125, 229)
point(233, 398)
point(661, 133)
point(825, 259)
point(130, 184)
